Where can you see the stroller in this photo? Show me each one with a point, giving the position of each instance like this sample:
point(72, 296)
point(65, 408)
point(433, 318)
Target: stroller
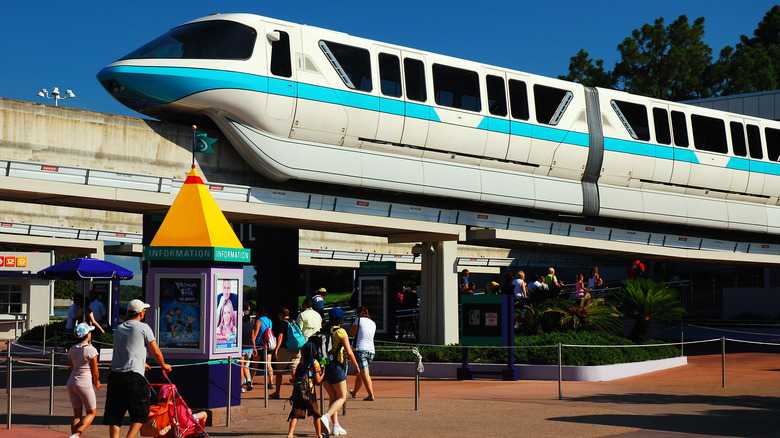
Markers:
point(170, 417)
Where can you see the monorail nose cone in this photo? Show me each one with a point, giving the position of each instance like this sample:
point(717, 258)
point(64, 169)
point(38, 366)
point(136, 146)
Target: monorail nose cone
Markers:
point(127, 88)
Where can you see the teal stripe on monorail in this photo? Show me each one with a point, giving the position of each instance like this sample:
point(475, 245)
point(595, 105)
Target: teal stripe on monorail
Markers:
point(649, 150)
point(738, 164)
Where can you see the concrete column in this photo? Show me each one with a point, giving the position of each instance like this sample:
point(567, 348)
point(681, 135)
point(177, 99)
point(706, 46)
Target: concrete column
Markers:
point(439, 300)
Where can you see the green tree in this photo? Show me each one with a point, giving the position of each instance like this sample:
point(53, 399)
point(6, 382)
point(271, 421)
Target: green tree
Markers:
point(64, 288)
point(587, 314)
point(589, 72)
point(645, 300)
point(754, 65)
point(667, 62)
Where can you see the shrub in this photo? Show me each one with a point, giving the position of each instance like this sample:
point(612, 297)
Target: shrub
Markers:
point(542, 349)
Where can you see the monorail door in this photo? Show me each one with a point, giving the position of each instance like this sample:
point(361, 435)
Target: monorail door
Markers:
point(391, 104)
point(283, 45)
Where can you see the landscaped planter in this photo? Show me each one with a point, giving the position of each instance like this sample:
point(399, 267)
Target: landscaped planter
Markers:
point(596, 373)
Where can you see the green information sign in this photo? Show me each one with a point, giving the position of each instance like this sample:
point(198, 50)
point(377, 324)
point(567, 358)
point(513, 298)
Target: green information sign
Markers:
point(377, 268)
point(194, 253)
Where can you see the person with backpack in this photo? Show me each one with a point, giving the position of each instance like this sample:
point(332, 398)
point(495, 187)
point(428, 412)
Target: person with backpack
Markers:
point(285, 356)
point(263, 336)
point(335, 382)
point(309, 374)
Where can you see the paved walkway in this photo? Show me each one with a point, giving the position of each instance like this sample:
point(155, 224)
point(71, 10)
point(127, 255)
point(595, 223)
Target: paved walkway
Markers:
point(686, 401)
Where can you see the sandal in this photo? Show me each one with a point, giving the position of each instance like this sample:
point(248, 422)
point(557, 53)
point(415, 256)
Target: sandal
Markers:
point(369, 398)
point(274, 396)
point(353, 393)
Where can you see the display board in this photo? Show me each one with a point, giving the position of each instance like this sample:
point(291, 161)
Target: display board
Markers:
point(373, 296)
point(484, 319)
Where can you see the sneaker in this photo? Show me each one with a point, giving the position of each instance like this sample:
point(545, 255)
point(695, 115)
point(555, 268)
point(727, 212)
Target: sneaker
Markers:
point(249, 386)
point(338, 430)
point(369, 398)
point(325, 419)
point(243, 390)
point(352, 393)
point(75, 435)
point(274, 396)
point(270, 385)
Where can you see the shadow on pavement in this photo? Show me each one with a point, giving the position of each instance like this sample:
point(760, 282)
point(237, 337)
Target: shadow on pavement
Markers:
point(746, 416)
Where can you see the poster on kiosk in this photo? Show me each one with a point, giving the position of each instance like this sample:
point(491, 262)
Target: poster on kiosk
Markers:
point(181, 301)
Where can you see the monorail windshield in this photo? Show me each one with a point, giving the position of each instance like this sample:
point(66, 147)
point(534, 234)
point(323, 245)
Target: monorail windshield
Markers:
point(217, 39)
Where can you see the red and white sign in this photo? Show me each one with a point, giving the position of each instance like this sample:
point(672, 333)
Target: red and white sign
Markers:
point(491, 319)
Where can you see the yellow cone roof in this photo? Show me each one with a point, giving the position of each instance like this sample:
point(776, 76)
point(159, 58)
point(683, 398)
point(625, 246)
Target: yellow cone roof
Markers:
point(195, 219)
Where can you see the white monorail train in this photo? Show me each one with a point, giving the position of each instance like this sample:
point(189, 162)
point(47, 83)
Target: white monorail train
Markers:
point(300, 102)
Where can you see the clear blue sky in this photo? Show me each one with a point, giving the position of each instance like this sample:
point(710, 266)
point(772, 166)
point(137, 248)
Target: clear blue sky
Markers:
point(46, 43)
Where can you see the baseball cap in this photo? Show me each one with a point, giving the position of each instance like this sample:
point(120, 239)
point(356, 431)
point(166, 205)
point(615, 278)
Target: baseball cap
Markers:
point(336, 314)
point(322, 290)
point(137, 306)
point(83, 330)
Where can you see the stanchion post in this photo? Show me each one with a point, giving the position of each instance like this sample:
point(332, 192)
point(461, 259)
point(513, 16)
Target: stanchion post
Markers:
point(43, 348)
point(264, 359)
point(7, 364)
point(10, 384)
point(51, 383)
point(417, 382)
point(723, 360)
point(560, 373)
point(346, 373)
point(229, 389)
point(682, 341)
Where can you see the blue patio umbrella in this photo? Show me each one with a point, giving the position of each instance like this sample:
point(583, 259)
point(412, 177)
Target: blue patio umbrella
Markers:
point(85, 268)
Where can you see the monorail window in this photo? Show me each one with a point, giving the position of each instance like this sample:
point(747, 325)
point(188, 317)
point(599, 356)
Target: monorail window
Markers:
point(551, 103)
point(680, 129)
point(214, 39)
point(772, 144)
point(661, 123)
point(738, 145)
point(518, 99)
point(456, 87)
point(754, 142)
point(634, 118)
point(353, 64)
point(390, 75)
point(281, 62)
point(709, 134)
point(414, 70)
point(496, 93)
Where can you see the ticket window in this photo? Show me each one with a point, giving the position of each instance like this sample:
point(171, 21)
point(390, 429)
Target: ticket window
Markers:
point(10, 298)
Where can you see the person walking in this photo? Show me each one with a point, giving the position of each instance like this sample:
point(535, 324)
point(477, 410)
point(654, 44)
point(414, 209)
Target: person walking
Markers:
point(318, 300)
point(248, 350)
point(263, 339)
point(128, 390)
point(363, 331)
point(284, 358)
point(84, 380)
point(335, 382)
point(309, 320)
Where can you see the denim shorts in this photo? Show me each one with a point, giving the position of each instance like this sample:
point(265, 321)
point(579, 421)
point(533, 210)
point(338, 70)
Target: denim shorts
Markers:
point(335, 372)
point(364, 358)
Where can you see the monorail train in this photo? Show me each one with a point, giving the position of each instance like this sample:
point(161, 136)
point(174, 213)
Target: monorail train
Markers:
point(300, 102)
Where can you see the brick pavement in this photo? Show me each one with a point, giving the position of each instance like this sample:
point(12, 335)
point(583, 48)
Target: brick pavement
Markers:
point(681, 402)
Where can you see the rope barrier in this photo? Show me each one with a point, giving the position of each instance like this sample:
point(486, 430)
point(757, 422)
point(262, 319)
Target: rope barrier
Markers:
point(774, 344)
point(732, 331)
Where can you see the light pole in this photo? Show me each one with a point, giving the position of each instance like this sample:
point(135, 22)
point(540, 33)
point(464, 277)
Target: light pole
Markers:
point(55, 94)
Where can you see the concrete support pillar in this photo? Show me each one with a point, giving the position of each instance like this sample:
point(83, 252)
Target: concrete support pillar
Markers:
point(439, 300)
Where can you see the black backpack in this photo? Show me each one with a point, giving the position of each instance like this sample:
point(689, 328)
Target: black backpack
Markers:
point(322, 341)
